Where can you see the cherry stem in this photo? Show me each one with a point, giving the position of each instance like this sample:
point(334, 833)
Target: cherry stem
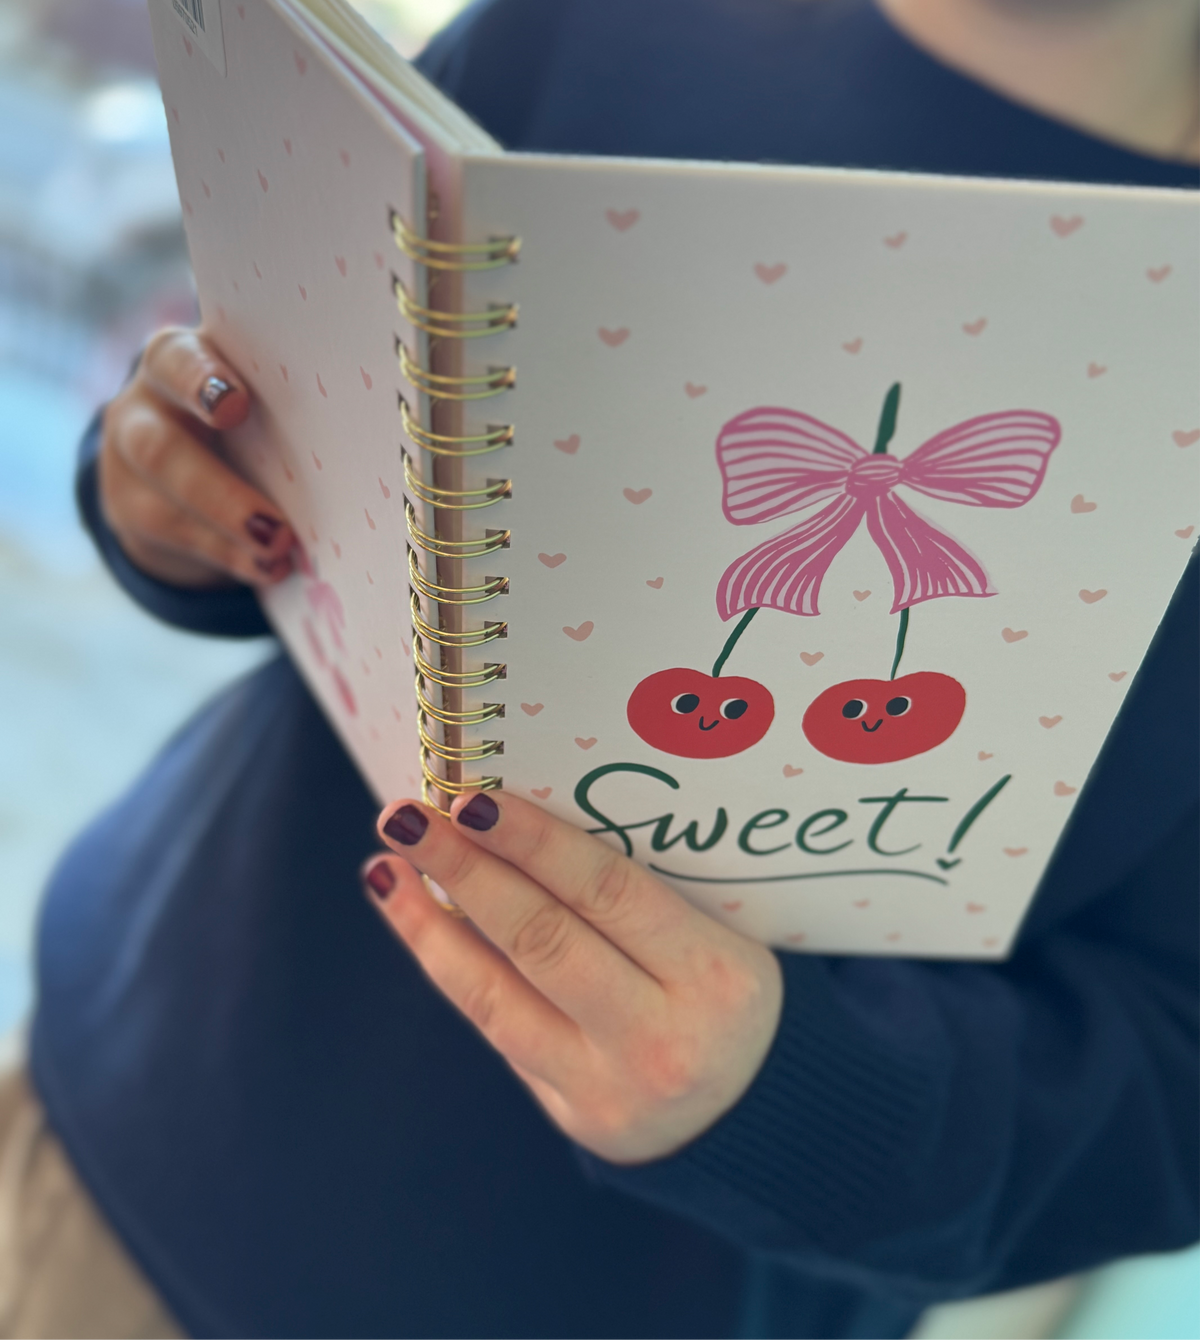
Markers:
point(887, 420)
point(900, 636)
point(731, 640)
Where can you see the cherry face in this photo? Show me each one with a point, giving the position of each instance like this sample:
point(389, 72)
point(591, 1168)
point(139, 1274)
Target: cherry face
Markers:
point(693, 715)
point(882, 720)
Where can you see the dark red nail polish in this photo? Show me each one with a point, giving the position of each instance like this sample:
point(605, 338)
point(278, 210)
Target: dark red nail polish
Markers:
point(214, 390)
point(262, 528)
point(274, 567)
point(380, 880)
point(479, 813)
point(407, 826)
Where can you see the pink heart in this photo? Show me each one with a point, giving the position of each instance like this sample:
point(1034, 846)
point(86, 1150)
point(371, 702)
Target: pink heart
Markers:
point(551, 560)
point(370, 522)
point(187, 207)
point(789, 771)
point(863, 902)
point(1183, 439)
point(283, 369)
point(542, 792)
point(860, 596)
point(811, 657)
point(344, 155)
point(257, 271)
point(1096, 369)
point(797, 938)
point(622, 219)
point(991, 941)
point(303, 292)
point(983, 756)
point(188, 45)
point(637, 496)
point(242, 10)
point(175, 114)
point(221, 154)
point(569, 445)
point(287, 144)
point(337, 548)
point(613, 337)
point(975, 327)
point(1015, 851)
point(378, 255)
point(1049, 722)
point(769, 274)
point(655, 582)
point(580, 634)
point(1065, 227)
point(317, 461)
point(366, 376)
point(340, 262)
point(301, 63)
point(1117, 675)
point(378, 653)
point(383, 488)
point(1080, 504)
point(732, 907)
point(853, 346)
point(262, 181)
point(976, 907)
point(892, 936)
point(205, 188)
point(692, 390)
point(585, 744)
point(371, 582)
point(1157, 274)
point(896, 241)
point(1090, 597)
point(1014, 634)
point(320, 386)
point(1186, 532)
point(1062, 789)
point(532, 709)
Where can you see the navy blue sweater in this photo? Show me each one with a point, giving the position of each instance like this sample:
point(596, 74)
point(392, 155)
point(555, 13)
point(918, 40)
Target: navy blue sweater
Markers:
point(295, 1135)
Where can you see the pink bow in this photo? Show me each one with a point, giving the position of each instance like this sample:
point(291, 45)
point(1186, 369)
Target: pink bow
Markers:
point(777, 461)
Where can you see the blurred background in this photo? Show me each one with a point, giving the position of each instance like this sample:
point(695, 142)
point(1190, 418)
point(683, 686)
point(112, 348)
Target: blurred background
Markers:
point(92, 258)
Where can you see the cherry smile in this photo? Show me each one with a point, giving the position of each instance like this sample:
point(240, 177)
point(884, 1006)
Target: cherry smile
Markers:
point(712, 727)
point(876, 726)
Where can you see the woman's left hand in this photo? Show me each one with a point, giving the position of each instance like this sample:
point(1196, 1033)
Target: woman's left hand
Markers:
point(635, 1019)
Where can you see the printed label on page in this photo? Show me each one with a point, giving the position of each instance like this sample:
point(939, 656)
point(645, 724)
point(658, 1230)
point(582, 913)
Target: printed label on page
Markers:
point(201, 21)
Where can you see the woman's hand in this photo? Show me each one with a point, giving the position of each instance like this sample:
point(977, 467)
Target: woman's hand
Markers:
point(180, 513)
point(636, 1020)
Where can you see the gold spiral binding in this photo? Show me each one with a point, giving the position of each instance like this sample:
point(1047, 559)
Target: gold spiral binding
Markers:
point(432, 544)
point(475, 716)
point(463, 258)
point(452, 788)
point(467, 753)
point(481, 386)
point(465, 679)
point(442, 325)
point(472, 637)
point(455, 500)
point(453, 595)
point(439, 444)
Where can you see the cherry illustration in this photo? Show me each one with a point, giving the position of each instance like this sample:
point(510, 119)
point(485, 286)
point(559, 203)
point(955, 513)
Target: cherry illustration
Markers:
point(690, 714)
point(883, 720)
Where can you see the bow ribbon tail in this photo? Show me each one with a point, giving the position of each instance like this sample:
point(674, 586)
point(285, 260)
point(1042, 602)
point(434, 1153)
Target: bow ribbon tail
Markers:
point(785, 573)
point(924, 561)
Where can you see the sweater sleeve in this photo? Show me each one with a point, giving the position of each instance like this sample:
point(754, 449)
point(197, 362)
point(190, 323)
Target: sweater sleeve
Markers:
point(933, 1130)
point(224, 612)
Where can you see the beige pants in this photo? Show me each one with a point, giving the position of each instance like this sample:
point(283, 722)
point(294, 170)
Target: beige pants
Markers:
point(62, 1271)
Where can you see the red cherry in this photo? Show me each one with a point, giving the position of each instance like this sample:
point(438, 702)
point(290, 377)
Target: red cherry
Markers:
point(882, 720)
point(694, 715)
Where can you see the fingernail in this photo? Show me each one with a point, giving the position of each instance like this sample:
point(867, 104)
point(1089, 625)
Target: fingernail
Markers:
point(214, 390)
point(274, 567)
point(479, 813)
point(262, 528)
point(380, 880)
point(407, 826)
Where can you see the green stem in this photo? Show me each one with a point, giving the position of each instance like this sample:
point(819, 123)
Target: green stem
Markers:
point(887, 420)
point(900, 636)
point(731, 640)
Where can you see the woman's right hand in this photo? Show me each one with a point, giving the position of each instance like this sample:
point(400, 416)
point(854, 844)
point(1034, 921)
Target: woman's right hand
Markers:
point(180, 512)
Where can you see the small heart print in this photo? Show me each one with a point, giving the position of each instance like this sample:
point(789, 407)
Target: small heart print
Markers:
point(370, 522)
point(1014, 634)
point(863, 902)
point(221, 154)
point(1015, 851)
point(303, 292)
point(976, 908)
point(1090, 597)
point(1097, 369)
point(340, 262)
point(585, 744)
point(655, 582)
point(551, 560)
point(284, 371)
point(1062, 789)
point(175, 114)
point(257, 271)
point(1183, 439)
point(337, 548)
point(262, 181)
point(613, 337)
point(317, 461)
point(796, 938)
point(732, 907)
point(692, 390)
point(983, 756)
point(187, 208)
point(812, 657)
point(378, 653)
point(860, 596)
point(370, 581)
point(205, 188)
point(853, 346)
point(991, 941)
point(320, 387)
point(568, 445)
point(301, 63)
point(1117, 675)
point(622, 219)
point(1049, 722)
point(1185, 533)
point(378, 259)
point(1156, 274)
point(637, 496)
point(344, 155)
point(974, 327)
point(188, 45)
point(1065, 227)
point(542, 792)
point(770, 274)
point(1080, 504)
point(896, 241)
point(287, 144)
point(242, 10)
point(789, 771)
point(383, 488)
point(580, 634)
point(532, 709)
point(365, 375)
point(892, 937)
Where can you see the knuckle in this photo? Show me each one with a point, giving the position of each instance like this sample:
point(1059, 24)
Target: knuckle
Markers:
point(542, 940)
point(610, 890)
point(457, 865)
point(479, 1004)
point(146, 442)
point(669, 1066)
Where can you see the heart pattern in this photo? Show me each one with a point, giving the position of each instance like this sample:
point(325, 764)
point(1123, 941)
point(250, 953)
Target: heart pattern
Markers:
point(542, 792)
point(1117, 675)
point(796, 938)
point(853, 346)
point(655, 582)
point(1156, 274)
point(1096, 370)
point(1080, 504)
point(733, 907)
point(344, 155)
point(789, 771)
point(585, 744)
point(580, 634)
point(1185, 533)
point(770, 274)
point(551, 560)
point(568, 445)
point(896, 241)
point(693, 390)
point(622, 219)
point(1064, 227)
point(860, 596)
point(976, 908)
point(613, 338)
point(1090, 597)
point(975, 327)
point(340, 262)
point(1049, 722)
point(262, 181)
point(370, 522)
point(532, 709)
point(637, 496)
point(983, 756)
point(892, 936)
point(287, 146)
point(1014, 634)
point(366, 377)
point(301, 63)
point(383, 488)
point(863, 902)
point(1014, 851)
point(1186, 439)
point(1062, 789)
point(812, 657)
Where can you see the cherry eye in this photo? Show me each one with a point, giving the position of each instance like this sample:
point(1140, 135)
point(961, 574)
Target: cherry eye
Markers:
point(683, 703)
point(897, 707)
point(854, 709)
point(732, 708)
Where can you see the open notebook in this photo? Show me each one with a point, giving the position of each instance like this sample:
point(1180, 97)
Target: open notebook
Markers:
point(801, 530)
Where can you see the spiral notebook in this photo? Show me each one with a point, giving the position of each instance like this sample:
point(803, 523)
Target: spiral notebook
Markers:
point(800, 531)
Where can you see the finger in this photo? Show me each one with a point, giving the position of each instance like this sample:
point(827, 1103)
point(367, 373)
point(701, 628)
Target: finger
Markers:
point(522, 1025)
point(170, 543)
point(184, 369)
point(640, 914)
point(568, 961)
point(173, 462)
